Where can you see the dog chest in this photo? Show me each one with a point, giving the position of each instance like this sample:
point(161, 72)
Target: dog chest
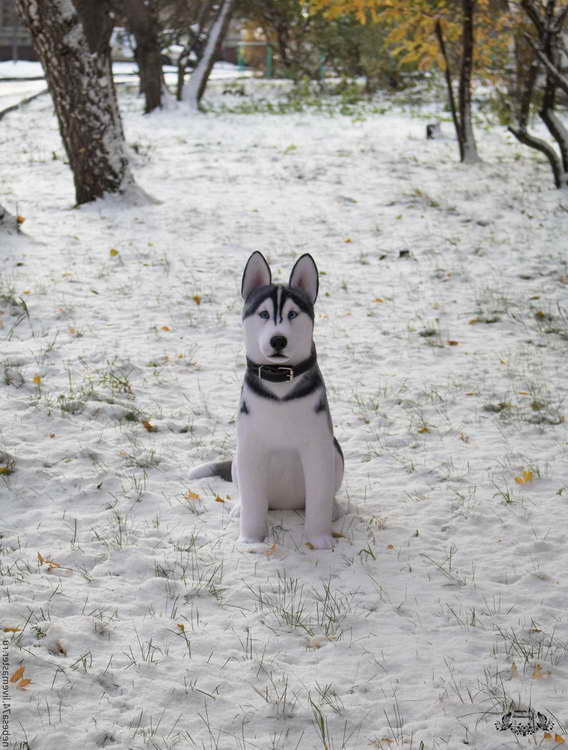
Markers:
point(281, 423)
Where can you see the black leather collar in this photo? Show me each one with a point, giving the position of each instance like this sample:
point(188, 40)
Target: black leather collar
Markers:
point(281, 373)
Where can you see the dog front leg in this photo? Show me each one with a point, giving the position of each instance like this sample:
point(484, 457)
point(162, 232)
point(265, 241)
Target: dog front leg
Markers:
point(318, 461)
point(253, 486)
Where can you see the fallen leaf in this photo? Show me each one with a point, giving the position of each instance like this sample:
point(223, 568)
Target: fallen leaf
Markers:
point(309, 545)
point(423, 429)
point(378, 299)
point(20, 219)
point(11, 630)
point(337, 535)
point(197, 299)
point(18, 674)
point(559, 739)
point(37, 379)
point(390, 546)
point(22, 685)
point(271, 551)
point(191, 495)
point(113, 252)
point(166, 328)
point(451, 342)
point(149, 426)
point(219, 499)
point(526, 476)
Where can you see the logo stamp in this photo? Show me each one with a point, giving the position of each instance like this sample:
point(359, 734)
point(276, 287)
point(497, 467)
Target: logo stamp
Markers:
point(524, 723)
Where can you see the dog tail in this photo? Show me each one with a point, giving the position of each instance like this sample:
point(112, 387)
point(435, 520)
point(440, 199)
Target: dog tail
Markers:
point(221, 469)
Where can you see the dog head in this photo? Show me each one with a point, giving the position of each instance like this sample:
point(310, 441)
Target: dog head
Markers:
point(279, 319)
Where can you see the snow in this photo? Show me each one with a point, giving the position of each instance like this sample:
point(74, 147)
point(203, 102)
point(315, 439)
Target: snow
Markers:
point(442, 334)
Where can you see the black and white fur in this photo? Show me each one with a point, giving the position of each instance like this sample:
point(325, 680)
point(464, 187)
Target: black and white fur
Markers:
point(287, 457)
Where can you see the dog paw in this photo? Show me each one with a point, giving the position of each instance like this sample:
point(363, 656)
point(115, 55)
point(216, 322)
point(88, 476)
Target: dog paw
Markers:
point(321, 541)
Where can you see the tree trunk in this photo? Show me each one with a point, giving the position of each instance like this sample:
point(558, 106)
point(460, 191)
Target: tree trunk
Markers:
point(72, 41)
point(461, 112)
point(142, 19)
point(200, 75)
point(548, 28)
point(468, 147)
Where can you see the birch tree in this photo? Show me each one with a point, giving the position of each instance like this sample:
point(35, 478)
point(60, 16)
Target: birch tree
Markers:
point(218, 28)
point(71, 38)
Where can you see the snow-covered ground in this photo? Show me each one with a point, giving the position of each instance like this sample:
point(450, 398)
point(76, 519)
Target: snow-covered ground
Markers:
point(132, 617)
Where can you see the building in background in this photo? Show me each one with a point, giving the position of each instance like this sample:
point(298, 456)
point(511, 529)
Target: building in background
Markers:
point(15, 41)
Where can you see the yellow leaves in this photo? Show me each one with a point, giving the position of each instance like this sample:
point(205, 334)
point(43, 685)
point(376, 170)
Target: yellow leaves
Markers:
point(165, 328)
point(54, 567)
point(36, 380)
point(538, 674)
point(43, 561)
point(191, 495)
point(113, 252)
point(18, 678)
point(524, 477)
point(11, 630)
point(197, 299)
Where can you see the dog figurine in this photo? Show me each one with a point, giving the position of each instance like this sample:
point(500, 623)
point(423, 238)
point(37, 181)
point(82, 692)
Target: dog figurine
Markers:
point(287, 457)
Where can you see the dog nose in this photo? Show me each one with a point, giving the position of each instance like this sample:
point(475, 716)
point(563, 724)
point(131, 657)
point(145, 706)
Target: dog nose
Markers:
point(278, 343)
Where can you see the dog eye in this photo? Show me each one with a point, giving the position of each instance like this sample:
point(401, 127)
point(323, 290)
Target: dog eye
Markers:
point(292, 314)
point(264, 314)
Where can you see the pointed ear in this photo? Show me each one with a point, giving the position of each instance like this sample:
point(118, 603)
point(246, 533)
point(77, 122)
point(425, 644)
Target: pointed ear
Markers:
point(304, 276)
point(257, 273)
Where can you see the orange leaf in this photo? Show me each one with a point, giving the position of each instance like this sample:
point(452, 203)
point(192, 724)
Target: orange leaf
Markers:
point(11, 630)
point(37, 379)
point(451, 342)
point(190, 495)
point(149, 426)
point(197, 299)
point(20, 219)
point(559, 739)
point(22, 685)
point(526, 476)
point(219, 499)
point(18, 674)
point(166, 328)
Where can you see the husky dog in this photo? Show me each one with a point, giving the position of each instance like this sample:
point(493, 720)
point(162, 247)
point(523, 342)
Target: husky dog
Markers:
point(287, 457)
